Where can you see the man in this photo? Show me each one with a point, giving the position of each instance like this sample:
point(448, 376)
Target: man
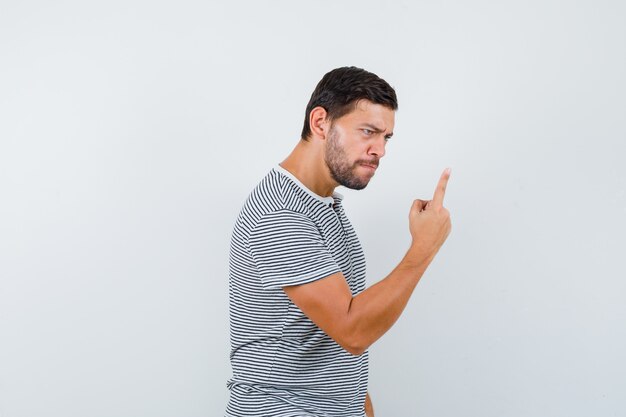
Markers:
point(301, 318)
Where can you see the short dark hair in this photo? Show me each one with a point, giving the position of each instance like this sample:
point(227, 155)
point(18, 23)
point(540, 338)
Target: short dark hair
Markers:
point(339, 91)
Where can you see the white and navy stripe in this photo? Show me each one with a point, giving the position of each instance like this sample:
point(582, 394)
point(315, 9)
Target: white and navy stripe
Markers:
point(283, 364)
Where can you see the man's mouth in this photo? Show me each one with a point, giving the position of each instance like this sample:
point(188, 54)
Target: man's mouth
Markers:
point(372, 166)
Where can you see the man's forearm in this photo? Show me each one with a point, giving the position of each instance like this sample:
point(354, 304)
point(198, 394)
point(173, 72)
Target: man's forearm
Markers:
point(375, 310)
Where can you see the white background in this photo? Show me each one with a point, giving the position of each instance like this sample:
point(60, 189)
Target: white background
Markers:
point(131, 132)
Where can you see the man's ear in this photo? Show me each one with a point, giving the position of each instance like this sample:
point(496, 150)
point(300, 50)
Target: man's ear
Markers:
point(318, 122)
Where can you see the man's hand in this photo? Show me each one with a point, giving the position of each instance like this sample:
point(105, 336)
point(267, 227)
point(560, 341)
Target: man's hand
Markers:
point(369, 408)
point(429, 221)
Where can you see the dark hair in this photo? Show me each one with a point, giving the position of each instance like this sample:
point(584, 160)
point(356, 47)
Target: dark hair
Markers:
point(339, 91)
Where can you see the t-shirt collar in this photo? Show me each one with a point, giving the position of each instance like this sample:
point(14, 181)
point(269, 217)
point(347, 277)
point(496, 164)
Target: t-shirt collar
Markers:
point(329, 201)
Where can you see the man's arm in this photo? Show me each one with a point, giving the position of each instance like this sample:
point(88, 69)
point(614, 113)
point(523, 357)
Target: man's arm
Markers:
point(357, 322)
point(369, 408)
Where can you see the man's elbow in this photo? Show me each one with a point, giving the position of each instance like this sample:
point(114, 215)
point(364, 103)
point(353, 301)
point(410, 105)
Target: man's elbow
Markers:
point(353, 338)
point(354, 345)
point(355, 350)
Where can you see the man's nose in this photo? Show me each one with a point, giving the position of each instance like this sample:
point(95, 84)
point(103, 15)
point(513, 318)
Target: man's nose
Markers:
point(378, 148)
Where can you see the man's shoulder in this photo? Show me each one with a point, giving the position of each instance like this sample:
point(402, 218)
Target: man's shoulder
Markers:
point(273, 194)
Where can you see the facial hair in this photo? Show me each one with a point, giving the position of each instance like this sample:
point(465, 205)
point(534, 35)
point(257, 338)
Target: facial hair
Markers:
point(341, 169)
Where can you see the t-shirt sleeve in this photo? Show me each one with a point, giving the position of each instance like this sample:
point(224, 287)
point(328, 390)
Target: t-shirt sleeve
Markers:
point(288, 249)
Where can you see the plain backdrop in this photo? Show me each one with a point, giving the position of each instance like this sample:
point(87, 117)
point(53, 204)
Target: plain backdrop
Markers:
point(131, 133)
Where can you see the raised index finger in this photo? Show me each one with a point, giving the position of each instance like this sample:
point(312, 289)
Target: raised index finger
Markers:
point(440, 191)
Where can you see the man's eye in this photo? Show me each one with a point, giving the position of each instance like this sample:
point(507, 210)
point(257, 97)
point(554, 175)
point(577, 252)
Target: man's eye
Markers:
point(367, 132)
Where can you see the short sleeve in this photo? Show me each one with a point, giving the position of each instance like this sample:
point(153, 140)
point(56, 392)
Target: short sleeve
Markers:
point(288, 249)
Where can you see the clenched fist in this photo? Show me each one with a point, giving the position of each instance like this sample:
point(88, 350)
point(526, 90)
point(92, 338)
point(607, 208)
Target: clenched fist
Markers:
point(429, 222)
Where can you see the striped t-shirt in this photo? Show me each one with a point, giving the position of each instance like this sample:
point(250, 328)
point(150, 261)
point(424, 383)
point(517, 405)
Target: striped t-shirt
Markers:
point(283, 364)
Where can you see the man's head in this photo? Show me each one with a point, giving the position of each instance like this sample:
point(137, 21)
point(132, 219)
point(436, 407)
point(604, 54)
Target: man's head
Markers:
point(352, 111)
point(339, 91)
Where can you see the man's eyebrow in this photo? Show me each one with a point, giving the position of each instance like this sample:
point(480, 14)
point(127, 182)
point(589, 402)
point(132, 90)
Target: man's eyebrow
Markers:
point(376, 129)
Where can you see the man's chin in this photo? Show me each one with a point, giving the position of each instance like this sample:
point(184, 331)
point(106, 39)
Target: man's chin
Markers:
point(354, 181)
point(356, 185)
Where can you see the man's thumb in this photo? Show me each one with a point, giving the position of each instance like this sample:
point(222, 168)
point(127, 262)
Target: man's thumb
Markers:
point(419, 205)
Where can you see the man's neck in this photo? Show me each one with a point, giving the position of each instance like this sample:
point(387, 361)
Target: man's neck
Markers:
point(306, 163)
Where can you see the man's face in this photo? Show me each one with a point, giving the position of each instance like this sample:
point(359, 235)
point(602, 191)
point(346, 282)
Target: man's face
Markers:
point(356, 142)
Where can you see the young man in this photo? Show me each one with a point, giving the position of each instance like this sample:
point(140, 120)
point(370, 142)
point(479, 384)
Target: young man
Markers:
point(301, 318)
